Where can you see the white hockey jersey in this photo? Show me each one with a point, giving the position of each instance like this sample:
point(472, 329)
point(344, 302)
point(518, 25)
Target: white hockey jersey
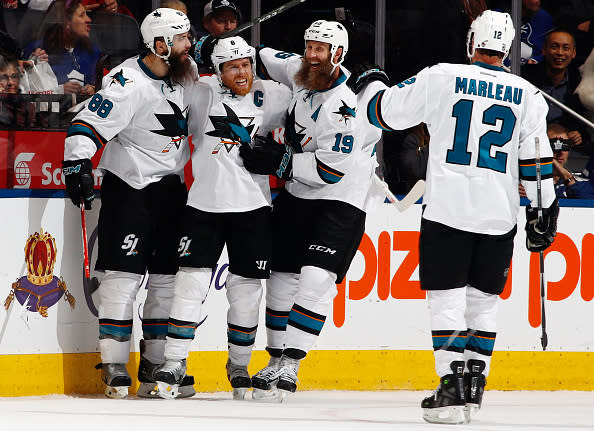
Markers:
point(219, 122)
point(483, 123)
point(143, 118)
point(333, 155)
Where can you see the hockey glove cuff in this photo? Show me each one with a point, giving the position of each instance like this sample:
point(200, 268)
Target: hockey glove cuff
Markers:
point(539, 236)
point(78, 175)
point(203, 50)
point(268, 157)
point(363, 74)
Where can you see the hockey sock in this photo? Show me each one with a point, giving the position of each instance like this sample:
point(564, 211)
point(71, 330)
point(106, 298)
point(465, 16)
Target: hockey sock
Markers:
point(317, 288)
point(244, 296)
point(191, 289)
point(281, 289)
point(481, 318)
point(117, 292)
point(156, 314)
point(448, 327)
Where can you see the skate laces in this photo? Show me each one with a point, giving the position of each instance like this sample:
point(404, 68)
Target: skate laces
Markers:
point(268, 373)
point(289, 370)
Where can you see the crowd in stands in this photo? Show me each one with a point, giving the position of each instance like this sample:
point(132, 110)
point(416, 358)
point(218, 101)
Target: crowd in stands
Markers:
point(73, 43)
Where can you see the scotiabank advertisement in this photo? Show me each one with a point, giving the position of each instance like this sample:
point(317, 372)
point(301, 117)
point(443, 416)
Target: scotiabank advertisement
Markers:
point(379, 306)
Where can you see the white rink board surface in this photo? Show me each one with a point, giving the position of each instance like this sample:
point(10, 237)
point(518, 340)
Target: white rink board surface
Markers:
point(370, 323)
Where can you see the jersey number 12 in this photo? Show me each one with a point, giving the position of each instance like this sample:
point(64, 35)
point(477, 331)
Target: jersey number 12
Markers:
point(459, 153)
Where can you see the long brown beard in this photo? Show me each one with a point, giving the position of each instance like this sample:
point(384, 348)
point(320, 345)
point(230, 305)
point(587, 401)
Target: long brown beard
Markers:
point(314, 79)
point(180, 68)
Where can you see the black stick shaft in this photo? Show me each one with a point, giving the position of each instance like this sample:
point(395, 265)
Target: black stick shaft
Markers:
point(544, 340)
point(262, 18)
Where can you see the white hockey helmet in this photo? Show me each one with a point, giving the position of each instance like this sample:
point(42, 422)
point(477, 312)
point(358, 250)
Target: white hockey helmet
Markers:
point(232, 48)
point(166, 23)
point(331, 32)
point(490, 30)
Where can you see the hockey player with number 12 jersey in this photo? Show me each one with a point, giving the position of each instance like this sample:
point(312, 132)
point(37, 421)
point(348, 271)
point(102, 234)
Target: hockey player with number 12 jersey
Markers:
point(484, 124)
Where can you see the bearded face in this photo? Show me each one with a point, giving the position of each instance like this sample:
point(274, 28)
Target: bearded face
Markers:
point(237, 76)
point(180, 68)
point(316, 69)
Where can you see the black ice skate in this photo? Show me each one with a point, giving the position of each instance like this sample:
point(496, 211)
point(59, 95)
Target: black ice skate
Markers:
point(169, 376)
point(287, 380)
point(148, 383)
point(239, 378)
point(474, 386)
point(116, 379)
point(264, 382)
point(447, 404)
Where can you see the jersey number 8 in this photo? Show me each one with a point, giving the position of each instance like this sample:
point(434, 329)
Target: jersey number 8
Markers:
point(100, 105)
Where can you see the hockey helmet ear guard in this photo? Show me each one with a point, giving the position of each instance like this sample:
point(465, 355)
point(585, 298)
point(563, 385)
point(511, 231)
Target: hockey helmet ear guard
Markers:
point(165, 23)
point(332, 33)
point(490, 30)
point(232, 48)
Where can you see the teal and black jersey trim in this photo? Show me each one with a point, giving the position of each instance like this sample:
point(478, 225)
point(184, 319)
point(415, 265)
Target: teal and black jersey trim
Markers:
point(241, 335)
point(481, 342)
point(79, 127)
point(276, 320)
point(374, 114)
point(452, 341)
point(528, 169)
point(327, 174)
point(181, 329)
point(119, 330)
point(261, 70)
point(306, 320)
point(154, 329)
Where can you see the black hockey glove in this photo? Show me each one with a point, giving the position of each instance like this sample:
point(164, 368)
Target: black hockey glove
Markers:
point(364, 73)
point(268, 157)
point(203, 50)
point(540, 236)
point(78, 175)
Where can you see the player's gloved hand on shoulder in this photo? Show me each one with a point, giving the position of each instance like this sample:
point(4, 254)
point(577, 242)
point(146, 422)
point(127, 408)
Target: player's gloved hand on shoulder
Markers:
point(78, 175)
point(268, 157)
point(364, 73)
point(203, 50)
point(540, 236)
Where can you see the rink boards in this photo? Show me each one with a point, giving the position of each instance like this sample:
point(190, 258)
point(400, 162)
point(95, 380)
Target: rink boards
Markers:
point(377, 336)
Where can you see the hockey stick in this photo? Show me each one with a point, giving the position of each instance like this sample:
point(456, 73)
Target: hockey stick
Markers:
point(261, 18)
point(412, 196)
point(544, 338)
point(89, 284)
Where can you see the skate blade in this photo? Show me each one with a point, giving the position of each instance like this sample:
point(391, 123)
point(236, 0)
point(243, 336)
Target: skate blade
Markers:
point(445, 415)
point(186, 391)
point(267, 395)
point(239, 393)
point(147, 390)
point(116, 392)
point(470, 410)
point(167, 391)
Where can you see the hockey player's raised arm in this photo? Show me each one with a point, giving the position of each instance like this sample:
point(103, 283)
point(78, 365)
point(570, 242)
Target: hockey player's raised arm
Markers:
point(277, 65)
point(401, 106)
point(534, 126)
point(104, 116)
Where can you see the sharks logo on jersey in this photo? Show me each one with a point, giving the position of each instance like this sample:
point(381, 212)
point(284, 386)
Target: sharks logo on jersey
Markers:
point(346, 112)
point(231, 129)
point(174, 125)
point(295, 132)
point(119, 78)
